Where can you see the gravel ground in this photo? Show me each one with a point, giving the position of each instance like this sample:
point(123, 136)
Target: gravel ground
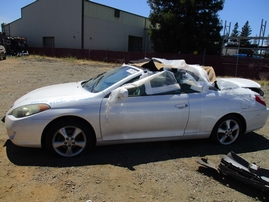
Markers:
point(162, 171)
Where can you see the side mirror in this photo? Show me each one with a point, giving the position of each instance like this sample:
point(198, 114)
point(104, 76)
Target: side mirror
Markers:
point(123, 93)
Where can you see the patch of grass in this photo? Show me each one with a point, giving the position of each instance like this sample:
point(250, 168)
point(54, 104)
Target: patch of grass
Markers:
point(71, 59)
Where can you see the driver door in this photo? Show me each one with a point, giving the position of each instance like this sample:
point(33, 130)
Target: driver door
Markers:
point(144, 117)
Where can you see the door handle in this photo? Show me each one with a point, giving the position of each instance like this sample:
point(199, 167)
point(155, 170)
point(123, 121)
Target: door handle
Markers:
point(181, 106)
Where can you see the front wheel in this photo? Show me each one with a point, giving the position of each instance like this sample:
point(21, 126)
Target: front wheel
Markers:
point(227, 130)
point(69, 138)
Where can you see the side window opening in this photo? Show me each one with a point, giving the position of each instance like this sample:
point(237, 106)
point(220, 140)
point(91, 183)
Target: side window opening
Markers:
point(164, 83)
point(184, 82)
point(161, 83)
point(137, 91)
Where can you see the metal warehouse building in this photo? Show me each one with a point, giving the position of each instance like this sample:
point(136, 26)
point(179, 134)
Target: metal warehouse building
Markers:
point(80, 24)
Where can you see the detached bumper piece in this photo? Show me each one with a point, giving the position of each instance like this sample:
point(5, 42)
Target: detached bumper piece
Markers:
point(234, 166)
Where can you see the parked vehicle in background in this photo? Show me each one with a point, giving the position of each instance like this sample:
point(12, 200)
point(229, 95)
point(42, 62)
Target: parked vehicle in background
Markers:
point(16, 46)
point(2, 53)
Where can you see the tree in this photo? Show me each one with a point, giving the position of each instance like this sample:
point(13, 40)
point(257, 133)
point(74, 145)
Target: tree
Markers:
point(185, 25)
point(235, 33)
point(246, 32)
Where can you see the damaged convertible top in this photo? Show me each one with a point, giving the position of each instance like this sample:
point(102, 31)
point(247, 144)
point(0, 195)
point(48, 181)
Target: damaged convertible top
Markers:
point(157, 64)
point(197, 76)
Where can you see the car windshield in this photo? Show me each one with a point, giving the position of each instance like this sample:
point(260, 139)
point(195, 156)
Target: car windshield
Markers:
point(107, 79)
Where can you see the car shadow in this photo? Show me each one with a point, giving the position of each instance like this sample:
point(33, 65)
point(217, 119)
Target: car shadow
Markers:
point(131, 155)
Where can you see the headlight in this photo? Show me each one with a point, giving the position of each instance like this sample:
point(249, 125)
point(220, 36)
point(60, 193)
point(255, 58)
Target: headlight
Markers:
point(28, 110)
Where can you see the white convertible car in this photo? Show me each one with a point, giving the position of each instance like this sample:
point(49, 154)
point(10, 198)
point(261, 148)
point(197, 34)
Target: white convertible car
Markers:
point(156, 100)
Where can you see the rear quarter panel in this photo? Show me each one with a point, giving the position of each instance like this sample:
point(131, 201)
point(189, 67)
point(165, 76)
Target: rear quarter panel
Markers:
point(207, 108)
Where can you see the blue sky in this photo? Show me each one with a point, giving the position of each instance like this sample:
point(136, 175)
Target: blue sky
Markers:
point(234, 11)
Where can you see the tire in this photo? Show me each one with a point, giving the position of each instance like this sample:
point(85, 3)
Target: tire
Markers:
point(227, 130)
point(69, 138)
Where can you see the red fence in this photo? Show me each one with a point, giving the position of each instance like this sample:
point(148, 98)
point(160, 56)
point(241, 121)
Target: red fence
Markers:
point(247, 67)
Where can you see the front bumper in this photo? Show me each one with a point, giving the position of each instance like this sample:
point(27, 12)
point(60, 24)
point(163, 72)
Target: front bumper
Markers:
point(24, 132)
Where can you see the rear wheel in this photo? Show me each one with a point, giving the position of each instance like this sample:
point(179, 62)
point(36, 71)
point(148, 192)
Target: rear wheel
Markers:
point(69, 138)
point(227, 130)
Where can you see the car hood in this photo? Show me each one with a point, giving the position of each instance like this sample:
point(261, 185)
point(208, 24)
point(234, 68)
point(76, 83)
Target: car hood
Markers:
point(55, 94)
point(225, 83)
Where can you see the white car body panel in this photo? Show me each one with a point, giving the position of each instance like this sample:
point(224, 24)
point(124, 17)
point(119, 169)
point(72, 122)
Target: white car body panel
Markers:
point(55, 94)
point(228, 83)
point(151, 117)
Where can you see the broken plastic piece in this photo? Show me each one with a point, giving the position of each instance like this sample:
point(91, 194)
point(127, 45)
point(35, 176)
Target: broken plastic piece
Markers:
point(236, 167)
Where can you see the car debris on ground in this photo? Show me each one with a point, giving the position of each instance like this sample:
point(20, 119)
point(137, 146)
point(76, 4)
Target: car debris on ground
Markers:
point(236, 167)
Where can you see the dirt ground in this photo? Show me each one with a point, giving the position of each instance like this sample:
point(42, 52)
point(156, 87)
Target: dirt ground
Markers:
point(162, 171)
